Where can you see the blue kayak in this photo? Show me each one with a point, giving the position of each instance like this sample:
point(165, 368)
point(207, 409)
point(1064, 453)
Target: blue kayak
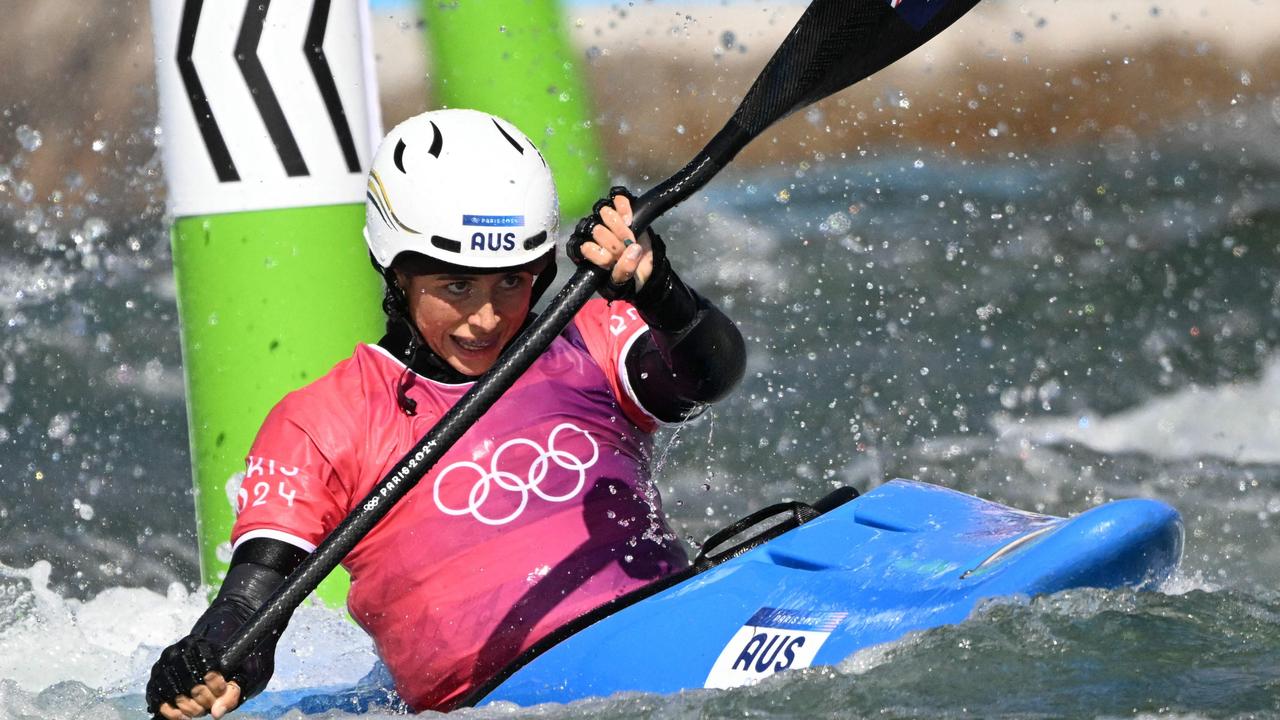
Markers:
point(818, 584)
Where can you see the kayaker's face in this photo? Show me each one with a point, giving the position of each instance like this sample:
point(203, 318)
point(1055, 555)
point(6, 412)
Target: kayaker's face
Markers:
point(468, 319)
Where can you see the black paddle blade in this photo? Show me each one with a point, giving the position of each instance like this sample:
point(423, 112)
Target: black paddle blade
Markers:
point(835, 44)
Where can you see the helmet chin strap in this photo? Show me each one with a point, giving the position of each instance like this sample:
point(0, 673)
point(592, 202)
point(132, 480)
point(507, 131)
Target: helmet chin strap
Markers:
point(408, 405)
point(396, 305)
point(544, 279)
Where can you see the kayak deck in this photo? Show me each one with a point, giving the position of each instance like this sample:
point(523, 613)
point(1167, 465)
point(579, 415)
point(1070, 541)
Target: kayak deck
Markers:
point(906, 556)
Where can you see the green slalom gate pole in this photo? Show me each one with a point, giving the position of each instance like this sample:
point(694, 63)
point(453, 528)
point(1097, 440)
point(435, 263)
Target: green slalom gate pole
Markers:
point(269, 120)
point(513, 58)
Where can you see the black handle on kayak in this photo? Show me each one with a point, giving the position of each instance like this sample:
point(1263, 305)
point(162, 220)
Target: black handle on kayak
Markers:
point(800, 514)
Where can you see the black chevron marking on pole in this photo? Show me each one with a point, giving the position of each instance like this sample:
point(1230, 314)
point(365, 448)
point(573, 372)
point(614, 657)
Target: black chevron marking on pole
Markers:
point(324, 81)
point(223, 165)
point(255, 76)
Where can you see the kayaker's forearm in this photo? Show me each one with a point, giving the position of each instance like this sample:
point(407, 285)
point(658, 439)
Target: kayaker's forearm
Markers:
point(665, 302)
point(257, 569)
point(245, 589)
point(692, 355)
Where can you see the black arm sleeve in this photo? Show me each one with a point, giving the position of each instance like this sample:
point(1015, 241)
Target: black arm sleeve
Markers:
point(693, 353)
point(258, 567)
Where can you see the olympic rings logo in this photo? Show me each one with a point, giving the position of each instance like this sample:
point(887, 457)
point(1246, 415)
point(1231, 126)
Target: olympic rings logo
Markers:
point(511, 482)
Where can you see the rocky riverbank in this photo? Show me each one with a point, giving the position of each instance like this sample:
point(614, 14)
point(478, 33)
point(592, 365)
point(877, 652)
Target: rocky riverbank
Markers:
point(78, 108)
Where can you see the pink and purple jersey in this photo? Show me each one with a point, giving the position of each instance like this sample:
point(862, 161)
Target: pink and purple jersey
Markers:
point(542, 511)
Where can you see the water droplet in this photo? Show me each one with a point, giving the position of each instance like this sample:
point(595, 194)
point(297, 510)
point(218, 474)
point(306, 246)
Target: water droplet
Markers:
point(84, 510)
point(59, 425)
point(837, 223)
point(32, 220)
point(153, 371)
point(727, 39)
point(1009, 398)
point(917, 164)
point(99, 145)
point(95, 227)
point(6, 174)
point(783, 196)
point(29, 138)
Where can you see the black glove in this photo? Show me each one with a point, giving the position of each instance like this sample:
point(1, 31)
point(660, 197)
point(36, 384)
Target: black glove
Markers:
point(582, 233)
point(183, 665)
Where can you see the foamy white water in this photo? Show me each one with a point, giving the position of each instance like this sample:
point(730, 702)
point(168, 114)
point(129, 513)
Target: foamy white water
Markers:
point(1239, 422)
point(106, 645)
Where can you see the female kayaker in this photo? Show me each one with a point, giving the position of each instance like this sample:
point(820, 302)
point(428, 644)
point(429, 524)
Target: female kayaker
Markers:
point(544, 509)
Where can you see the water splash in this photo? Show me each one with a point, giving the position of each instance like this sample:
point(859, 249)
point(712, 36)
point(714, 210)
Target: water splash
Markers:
point(1238, 421)
point(58, 653)
point(102, 643)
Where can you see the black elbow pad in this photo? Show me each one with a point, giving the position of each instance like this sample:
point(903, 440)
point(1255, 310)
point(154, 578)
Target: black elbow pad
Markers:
point(681, 371)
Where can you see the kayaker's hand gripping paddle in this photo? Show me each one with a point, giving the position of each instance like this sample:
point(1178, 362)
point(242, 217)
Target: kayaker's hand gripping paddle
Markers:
point(835, 44)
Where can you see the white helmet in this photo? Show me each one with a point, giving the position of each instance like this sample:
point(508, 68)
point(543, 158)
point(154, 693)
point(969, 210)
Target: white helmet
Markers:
point(462, 187)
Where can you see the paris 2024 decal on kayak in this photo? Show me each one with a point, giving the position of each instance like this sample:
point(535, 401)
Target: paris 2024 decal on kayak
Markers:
point(773, 640)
